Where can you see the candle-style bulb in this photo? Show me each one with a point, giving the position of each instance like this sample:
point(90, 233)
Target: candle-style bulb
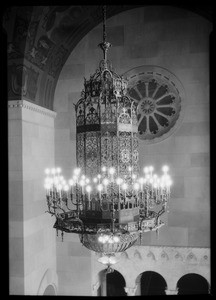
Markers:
point(165, 169)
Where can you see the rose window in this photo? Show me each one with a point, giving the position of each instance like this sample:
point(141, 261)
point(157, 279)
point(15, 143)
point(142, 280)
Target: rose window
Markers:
point(160, 96)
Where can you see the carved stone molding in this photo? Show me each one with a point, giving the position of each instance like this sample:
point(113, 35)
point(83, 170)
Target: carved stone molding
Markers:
point(164, 256)
point(191, 257)
point(151, 255)
point(137, 254)
point(31, 106)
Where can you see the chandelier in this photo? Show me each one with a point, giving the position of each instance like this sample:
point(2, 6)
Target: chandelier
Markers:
point(106, 201)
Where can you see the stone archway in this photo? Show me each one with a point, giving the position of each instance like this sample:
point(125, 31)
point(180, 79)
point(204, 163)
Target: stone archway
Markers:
point(115, 284)
point(191, 284)
point(151, 283)
point(111, 284)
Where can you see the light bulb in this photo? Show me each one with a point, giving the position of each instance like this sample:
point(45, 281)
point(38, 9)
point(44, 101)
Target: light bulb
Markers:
point(56, 180)
point(124, 186)
point(100, 238)
point(53, 171)
point(71, 182)
point(87, 180)
point(119, 180)
point(99, 176)
point(146, 170)
point(111, 241)
point(106, 238)
point(47, 171)
point(111, 170)
point(134, 176)
point(165, 169)
point(103, 169)
point(99, 187)
point(116, 239)
point(58, 170)
point(47, 186)
point(151, 168)
point(169, 182)
point(141, 180)
point(77, 171)
point(66, 188)
point(88, 188)
point(95, 180)
point(75, 178)
point(136, 186)
point(148, 177)
point(47, 180)
point(59, 187)
point(83, 177)
point(82, 182)
point(105, 181)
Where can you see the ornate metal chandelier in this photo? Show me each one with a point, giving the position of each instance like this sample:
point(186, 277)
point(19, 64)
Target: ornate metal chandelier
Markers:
point(106, 202)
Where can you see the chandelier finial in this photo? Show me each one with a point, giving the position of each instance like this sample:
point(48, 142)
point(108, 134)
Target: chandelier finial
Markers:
point(104, 23)
point(104, 45)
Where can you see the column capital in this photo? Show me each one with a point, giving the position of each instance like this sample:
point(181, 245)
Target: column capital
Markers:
point(130, 290)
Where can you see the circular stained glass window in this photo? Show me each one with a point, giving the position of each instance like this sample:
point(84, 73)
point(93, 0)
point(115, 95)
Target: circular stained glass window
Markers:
point(160, 97)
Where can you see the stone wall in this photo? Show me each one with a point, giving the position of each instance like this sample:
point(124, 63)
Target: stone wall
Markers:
point(32, 245)
point(73, 266)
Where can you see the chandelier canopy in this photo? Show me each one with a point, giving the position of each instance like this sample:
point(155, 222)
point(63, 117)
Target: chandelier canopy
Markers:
point(106, 202)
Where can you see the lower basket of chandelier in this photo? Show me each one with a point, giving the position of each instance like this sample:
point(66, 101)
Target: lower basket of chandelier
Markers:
point(108, 227)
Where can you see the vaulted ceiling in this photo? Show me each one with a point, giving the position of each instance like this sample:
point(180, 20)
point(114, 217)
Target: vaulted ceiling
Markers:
point(41, 38)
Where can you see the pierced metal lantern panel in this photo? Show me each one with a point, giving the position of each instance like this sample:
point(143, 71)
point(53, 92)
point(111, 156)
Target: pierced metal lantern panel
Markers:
point(160, 99)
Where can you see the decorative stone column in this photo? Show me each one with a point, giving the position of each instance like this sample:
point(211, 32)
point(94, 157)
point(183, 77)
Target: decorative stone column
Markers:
point(171, 292)
point(130, 290)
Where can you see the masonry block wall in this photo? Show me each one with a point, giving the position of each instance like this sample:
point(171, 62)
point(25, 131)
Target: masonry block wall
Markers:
point(170, 38)
point(32, 251)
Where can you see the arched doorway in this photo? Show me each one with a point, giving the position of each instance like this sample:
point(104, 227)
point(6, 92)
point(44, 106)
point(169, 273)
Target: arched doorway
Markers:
point(49, 291)
point(192, 284)
point(152, 283)
point(115, 284)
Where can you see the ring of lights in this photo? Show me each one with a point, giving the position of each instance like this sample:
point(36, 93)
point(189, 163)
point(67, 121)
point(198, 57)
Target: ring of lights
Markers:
point(161, 101)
